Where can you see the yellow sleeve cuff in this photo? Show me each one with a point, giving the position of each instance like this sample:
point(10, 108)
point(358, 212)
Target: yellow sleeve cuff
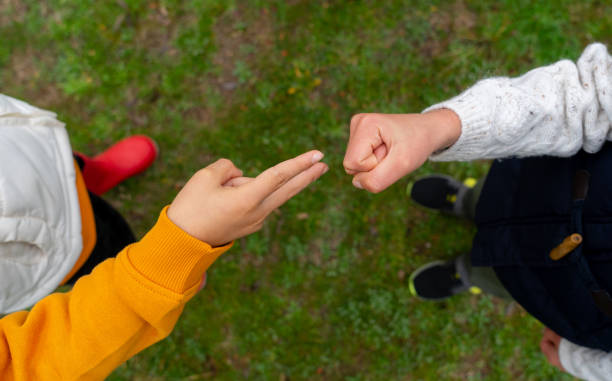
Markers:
point(171, 258)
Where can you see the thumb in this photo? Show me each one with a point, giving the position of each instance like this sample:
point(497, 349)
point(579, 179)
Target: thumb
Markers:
point(387, 172)
point(380, 152)
point(238, 181)
point(222, 171)
point(371, 161)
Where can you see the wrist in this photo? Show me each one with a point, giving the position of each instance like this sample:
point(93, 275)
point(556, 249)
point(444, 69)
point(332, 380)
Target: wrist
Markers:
point(444, 128)
point(185, 222)
point(172, 258)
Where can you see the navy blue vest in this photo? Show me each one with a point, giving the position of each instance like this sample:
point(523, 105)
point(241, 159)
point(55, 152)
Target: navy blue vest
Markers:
point(527, 208)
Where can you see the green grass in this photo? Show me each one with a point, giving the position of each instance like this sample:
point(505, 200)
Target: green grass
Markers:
point(320, 293)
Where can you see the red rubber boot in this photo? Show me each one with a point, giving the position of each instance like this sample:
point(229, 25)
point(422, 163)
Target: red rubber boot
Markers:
point(124, 159)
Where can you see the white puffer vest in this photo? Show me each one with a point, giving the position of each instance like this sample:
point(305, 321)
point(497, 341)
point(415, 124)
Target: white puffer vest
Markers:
point(40, 221)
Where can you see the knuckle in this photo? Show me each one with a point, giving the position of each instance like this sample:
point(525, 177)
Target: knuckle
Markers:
point(225, 162)
point(355, 119)
point(277, 175)
point(348, 162)
point(313, 177)
point(373, 185)
point(203, 173)
point(369, 119)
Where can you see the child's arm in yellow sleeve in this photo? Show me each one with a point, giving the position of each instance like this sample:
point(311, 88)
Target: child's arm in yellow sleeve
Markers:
point(132, 301)
point(111, 314)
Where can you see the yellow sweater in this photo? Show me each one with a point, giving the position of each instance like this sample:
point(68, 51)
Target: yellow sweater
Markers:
point(125, 305)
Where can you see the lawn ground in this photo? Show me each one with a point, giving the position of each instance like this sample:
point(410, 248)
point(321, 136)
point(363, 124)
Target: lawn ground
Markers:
point(320, 293)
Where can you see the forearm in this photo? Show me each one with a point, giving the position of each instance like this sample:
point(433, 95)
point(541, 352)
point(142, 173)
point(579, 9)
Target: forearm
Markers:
point(585, 363)
point(125, 305)
point(554, 110)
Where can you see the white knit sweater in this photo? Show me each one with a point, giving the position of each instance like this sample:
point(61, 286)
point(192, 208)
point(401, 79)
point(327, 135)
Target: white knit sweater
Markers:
point(553, 110)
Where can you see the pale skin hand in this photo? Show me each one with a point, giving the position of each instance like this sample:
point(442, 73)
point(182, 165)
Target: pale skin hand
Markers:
point(383, 148)
point(550, 347)
point(218, 205)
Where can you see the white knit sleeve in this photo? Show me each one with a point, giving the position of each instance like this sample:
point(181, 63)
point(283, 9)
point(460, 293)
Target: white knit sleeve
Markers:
point(585, 363)
point(553, 110)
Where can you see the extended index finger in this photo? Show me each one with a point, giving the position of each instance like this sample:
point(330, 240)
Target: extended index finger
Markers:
point(273, 178)
point(293, 187)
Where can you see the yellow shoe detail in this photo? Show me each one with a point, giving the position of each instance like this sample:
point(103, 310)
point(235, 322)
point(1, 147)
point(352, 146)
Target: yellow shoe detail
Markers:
point(470, 182)
point(475, 290)
point(411, 287)
point(451, 198)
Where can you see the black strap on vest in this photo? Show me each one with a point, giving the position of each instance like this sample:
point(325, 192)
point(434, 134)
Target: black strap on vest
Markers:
point(601, 297)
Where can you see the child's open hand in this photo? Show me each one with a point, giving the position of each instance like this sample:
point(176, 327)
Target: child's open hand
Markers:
point(217, 205)
point(382, 148)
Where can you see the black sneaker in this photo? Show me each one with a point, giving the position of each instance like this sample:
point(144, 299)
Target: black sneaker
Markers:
point(442, 193)
point(438, 280)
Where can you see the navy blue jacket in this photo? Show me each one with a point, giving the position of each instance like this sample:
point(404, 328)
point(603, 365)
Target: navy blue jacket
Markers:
point(528, 207)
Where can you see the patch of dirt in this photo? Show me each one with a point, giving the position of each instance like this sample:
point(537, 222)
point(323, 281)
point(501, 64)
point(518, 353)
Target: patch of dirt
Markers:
point(23, 72)
point(234, 30)
point(455, 18)
point(239, 35)
point(451, 20)
point(12, 11)
point(156, 31)
point(473, 366)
